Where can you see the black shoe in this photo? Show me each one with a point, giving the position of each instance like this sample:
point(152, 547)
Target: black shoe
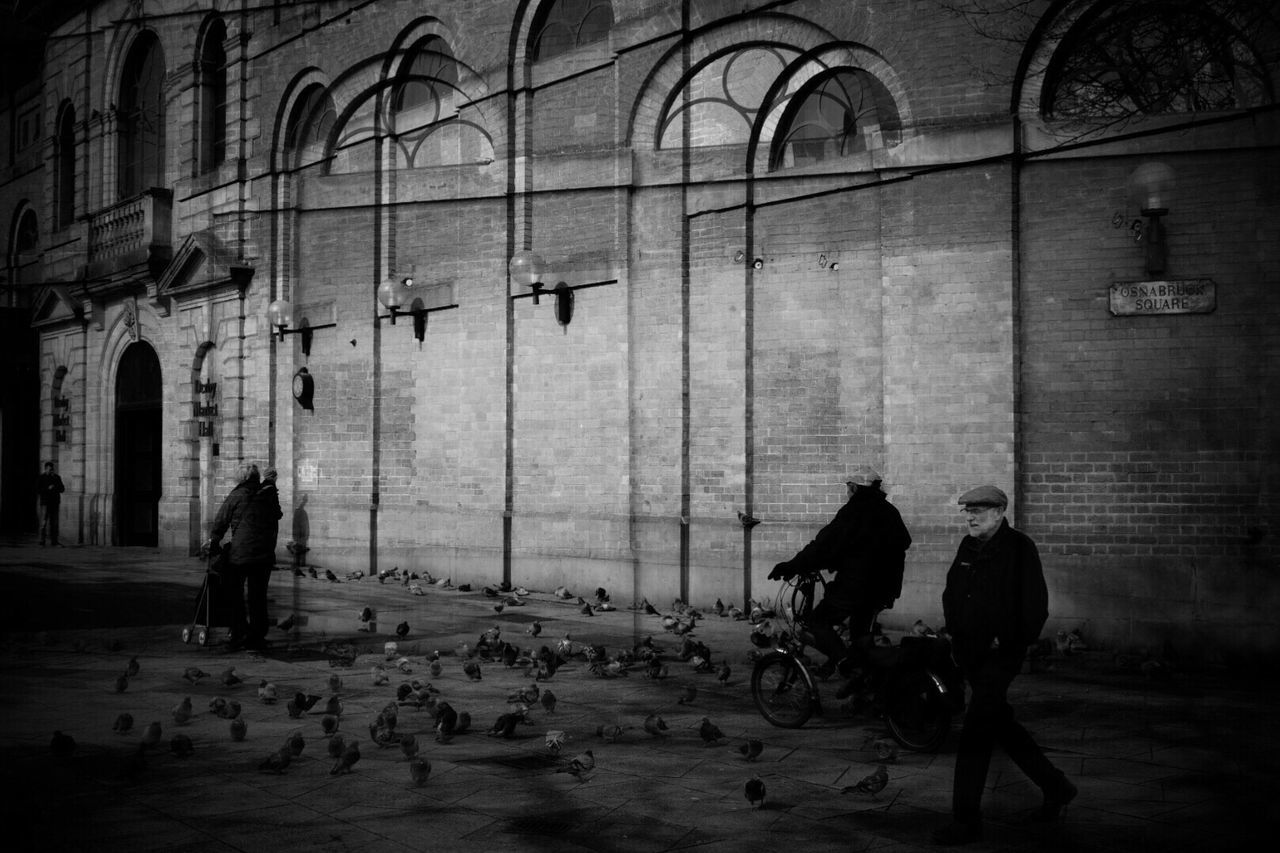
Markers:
point(1054, 803)
point(956, 833)
point(825, 671)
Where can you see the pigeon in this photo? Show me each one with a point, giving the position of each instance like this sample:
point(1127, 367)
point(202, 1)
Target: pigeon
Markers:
point(232, 710)
point(379, 675)
point(722, 674)
point(390, 649)
point(555, 740)
point(122, 683)
point(193, 674)
point(609, 733)
point(548, 701)
point(296, 743)
point(755, 791)
point(151, 734)
point(534, 629)
point(62, 744)
point(333, 707)
point(287, 624)
point(419, 770)
point(347, 760)
point(751, 748)
point(277, 761)
point(435, 668)
point(409, 745)
point(402, 630)
point(123, 723)
point(709, 732)
point(181, 746)
point(655, 725)
point(132, 668)
point(747, 521)
point(920, 629)
point(580, 766)
point(872, 784)
point(335, 683)
point(329, 724)
point(239, 728)
point(886, 750)
point(330, 576)
point(267, 692)
point(446, 722)
point(472, 669)
point(182, 712)
point(686, 698)
point(336, 747)
point(229, 677)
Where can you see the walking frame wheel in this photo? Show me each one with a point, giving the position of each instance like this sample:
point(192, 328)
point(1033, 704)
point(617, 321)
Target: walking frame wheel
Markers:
point(783, 690)
point(186, 634)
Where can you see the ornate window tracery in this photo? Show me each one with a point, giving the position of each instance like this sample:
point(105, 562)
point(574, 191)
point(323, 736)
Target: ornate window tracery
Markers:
point(564, 25)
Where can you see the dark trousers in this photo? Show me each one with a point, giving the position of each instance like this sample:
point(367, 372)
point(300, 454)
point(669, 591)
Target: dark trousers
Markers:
point(843, 600)
point(989, 723)
point(250, 581)
point(49, 525)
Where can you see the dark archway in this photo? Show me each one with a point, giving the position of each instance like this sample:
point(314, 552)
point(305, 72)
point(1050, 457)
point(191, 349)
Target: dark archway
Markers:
point(138, 448)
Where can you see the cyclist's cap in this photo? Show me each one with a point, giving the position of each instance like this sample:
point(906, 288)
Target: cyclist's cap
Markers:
point(984, 496)
point(864, 476)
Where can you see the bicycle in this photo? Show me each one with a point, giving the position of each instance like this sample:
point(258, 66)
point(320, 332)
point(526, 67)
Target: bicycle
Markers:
point(907, 684)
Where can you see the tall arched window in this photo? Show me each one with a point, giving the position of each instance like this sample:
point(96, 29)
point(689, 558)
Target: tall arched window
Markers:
point(212, 68)
point(309, 126)
point(843, 112)
point(1142, 57)
point(563, 25)
point(724, 94)
point(65, 174)
point(141, 117)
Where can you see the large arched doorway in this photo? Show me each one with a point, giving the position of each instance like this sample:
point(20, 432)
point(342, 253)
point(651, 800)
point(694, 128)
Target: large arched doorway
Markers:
point(138, 410)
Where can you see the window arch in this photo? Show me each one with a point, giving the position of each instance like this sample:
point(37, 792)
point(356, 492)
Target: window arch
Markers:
point(141, 118)
point(424, 115)
point(1140, 57)
point(24, 243)
point(842, 112)
point(724, 95)
point(564, 25)
point(65, 172)
point(212, 92)
point(309, 126)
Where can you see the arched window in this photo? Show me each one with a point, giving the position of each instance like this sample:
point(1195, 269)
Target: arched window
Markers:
point(24, 245)
point(843, 112)
point(212, 89)
point(424, 120)
point(65, 174)
point(309, 126)
point(1142, 57)
point(563, 25)
point(724, 96)
point(141, 116)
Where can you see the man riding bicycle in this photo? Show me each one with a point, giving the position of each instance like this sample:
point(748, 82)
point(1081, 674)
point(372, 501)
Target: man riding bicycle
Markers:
point(865, 545)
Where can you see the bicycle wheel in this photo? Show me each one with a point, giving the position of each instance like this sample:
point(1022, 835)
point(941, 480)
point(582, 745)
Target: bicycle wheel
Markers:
point(918, 715)
point(783, 690)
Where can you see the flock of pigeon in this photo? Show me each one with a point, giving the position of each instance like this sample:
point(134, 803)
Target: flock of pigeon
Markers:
point(651, 659)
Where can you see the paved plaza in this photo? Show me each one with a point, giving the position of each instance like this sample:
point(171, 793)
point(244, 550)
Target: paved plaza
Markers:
point(1167, 761)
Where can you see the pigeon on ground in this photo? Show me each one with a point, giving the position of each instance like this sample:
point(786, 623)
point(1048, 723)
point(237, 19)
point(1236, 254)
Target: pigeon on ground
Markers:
point(655, 725)
point(329, 724)
point(296, 743)
point(472, 669)
point(267, 692)
point(886, 750)
point(419, 770)
point(287, 624)
point(123, 723)
point(133, 667)
point(446, 722)
point(335, 683)
point(182, 712)
point(151, 734)
point(686, 698)
point(336, 747)
point(193, 674)
point(230, 678)
point(709, 732)
point(347, 760)
point(122, 683)
point(402, 630)
point(62, 744)
point(239, 728)
point(555, 741)
point(534, 629)
point(609, 733)
point(409, 745)
point(580, 766)
point(751, 749)
point(755, 791)
point(548, 701)
point(871, 784)
point(181, 746)
point(277, 761)
point(722, 674)
point(333, 707)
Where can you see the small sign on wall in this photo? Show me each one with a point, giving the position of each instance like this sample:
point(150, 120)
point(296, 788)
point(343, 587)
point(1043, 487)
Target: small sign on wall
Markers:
point(1178, 296)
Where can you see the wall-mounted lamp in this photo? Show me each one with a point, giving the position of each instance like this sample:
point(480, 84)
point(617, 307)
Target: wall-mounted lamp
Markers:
point(758, 264)
point(398, 297)
point(739, 256)
point(280, 316)
point(527, 269)
point(1149, 188)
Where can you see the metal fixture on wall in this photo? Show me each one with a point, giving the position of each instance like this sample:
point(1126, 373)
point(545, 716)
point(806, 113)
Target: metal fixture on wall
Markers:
point(395, 294)
point(528, 269)
point(1149, 188)
point(280, 316)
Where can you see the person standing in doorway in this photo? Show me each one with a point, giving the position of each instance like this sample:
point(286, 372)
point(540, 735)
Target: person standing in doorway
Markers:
point(230, 518)
point(49, 487)
point(261, 522)
point(995, 604)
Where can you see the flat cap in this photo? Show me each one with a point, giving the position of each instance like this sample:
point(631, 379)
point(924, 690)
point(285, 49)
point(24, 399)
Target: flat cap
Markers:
point(864, 476)
point(984, 496)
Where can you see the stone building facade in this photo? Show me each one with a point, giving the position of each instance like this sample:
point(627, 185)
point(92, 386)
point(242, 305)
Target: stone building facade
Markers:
point(794, 237)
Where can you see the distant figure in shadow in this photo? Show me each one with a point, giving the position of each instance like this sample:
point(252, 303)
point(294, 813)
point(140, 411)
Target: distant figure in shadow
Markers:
point(301, 533)
point(50, 488)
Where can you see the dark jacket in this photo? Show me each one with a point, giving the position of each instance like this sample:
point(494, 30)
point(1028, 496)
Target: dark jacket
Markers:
point(230, 518)
point(261, 523)
point(995, 591)
point(50, 489)
point(865, 545)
